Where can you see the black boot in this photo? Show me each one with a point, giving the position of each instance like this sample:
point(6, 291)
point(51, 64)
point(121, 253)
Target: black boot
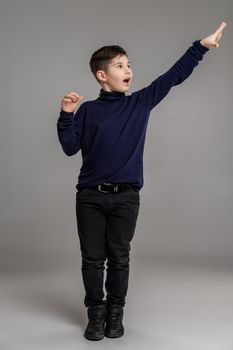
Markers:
point(114, 327)
point(95, 328)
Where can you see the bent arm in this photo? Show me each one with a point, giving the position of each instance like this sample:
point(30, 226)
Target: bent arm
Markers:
point(152, 94)
point(69, 130)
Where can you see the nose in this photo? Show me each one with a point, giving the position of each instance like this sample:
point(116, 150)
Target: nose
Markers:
point(128, 71)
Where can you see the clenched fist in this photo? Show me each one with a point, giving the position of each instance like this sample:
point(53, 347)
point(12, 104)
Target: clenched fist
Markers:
point(70, 101)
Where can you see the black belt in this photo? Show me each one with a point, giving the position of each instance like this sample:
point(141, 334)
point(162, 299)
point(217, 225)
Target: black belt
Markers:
point(111, 187)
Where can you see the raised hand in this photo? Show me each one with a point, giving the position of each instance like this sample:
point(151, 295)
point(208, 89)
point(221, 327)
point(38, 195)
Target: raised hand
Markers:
point(213, 39)
point(70, 101)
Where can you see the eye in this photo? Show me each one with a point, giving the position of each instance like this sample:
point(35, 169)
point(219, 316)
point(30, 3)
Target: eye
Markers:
point(120, 65)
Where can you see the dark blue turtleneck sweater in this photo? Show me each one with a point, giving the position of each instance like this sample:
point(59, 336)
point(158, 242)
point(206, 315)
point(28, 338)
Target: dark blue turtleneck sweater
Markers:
point(110, 130)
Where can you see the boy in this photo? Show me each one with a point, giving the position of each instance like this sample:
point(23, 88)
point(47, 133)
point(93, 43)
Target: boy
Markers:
point(110, 132)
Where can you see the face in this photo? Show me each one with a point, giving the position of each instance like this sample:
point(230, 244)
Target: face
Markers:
point(119, 75)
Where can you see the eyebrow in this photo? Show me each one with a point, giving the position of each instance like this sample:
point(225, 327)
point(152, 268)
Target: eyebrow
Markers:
point(121, 63)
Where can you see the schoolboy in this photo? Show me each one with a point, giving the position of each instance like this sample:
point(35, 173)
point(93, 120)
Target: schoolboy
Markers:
point(110, 132)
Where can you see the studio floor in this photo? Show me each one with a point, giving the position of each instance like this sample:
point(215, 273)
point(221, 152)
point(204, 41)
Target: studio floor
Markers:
point(169, 306)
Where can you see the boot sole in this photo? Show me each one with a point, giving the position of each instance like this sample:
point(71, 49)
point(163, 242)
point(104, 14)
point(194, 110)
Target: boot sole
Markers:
point(116, 335)
point(89, 337)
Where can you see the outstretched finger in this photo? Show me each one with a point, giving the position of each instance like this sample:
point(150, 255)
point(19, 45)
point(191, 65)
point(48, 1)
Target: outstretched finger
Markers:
point(221, 27)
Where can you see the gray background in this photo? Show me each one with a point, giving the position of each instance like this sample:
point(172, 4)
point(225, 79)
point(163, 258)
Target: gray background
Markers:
point(181, 281)
point(187, 198)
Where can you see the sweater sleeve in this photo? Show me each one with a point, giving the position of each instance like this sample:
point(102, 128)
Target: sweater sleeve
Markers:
point(70, 130)
point(152, 94)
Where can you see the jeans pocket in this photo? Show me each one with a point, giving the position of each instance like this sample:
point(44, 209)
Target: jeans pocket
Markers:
point(134, 192)
point(81, 191)
point(132, 196)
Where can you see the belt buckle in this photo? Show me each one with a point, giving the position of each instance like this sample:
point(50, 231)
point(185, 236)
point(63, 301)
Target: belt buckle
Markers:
point(115, 188)
point(99, 189)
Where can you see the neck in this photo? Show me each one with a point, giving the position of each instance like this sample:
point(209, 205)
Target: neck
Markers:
point(110, 95)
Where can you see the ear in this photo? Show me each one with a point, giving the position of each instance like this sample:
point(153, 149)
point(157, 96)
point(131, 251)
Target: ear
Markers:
point(101, 75)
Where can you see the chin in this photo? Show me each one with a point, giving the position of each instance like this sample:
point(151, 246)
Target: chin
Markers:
point(126, 88)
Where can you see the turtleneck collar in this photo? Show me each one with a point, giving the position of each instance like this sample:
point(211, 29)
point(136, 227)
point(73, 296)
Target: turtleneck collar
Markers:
point(110, 95)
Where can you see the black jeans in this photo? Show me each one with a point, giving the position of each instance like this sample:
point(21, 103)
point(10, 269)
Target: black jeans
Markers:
point(106, 224)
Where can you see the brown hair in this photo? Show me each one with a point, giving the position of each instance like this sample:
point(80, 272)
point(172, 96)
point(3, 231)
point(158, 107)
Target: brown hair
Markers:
point(103, 56)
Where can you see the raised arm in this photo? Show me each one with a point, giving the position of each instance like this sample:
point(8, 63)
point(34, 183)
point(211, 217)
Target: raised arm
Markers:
point(152, 94)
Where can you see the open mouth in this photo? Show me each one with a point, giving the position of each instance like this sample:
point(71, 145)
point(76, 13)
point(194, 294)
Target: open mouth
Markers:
point(127, 80)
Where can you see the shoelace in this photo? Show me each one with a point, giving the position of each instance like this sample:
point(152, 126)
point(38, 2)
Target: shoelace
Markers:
point(97, 319)
point(115, 316)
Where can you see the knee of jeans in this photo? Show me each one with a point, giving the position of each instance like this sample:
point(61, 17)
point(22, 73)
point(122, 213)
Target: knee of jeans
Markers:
point(120, 263)
point(91, 263)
